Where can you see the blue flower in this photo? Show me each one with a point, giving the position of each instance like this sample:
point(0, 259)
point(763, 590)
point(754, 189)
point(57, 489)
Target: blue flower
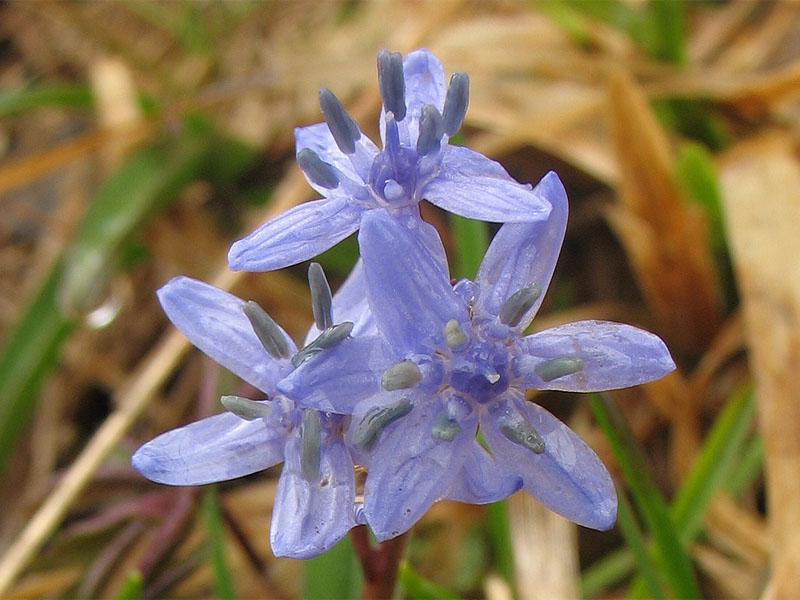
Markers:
point(315, 501)
point(420, 114)
point(452, 359)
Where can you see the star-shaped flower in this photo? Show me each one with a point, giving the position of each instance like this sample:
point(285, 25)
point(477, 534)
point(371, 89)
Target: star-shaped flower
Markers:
point(419, 116)
point(315, 501)
point(452, 359)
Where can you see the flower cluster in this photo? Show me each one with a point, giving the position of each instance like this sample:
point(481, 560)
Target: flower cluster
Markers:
point(416, 367)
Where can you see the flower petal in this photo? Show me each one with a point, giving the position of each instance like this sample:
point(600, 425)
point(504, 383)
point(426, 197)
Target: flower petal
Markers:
point(481, 480)
point(350, 304)
point(318, 138)
point(473, 186)
point(296, 235)
point(338, 378)
point(410, 298)
point(217, 448)
point(410, 469)
point(567, 477)
point(424, 79)
point(309, 517)
point(612, 355)
point(214, 321)
point(524, 253)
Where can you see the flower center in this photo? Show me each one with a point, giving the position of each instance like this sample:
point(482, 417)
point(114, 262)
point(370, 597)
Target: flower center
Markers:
point(480, 371)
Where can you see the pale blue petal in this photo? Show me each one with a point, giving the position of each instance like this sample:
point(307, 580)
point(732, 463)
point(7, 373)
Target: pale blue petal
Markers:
point(524, 253)
point(425, 84)
point(350, 304)
point(473, 186)
point(410, 469)
point(337, 378)
point(481, 480)
point(299, 234)
point(568, 477)
point(613, 355)
point(319, 139)
point(410, 298)
point(309, 517)
point(214, 321)
point(217, 448)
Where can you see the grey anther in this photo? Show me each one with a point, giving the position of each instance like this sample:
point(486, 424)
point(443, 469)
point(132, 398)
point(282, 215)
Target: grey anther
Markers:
point(327, 339)
point(343, 128)
point(445, 428)
point(521, 432)
point(430, 130)
point(244, 408)
point(401, 375)
point(321, 300)
point(518, 304)
point(391, 83)
point(376, 420)
point(267, 331)
point(311, 434)
point(558, 367)
point(455, 103)
point(317, 170)
point(453, 336)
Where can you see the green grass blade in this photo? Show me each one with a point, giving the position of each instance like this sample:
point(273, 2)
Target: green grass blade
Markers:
point(223, 582)
point(635, 541)
point(669, 26)
point(671, 556)
point(500, 535)
point(419, 588)
point(747, 468)
point(131, 588)
point(471, 240)
point(720, 452)
point(607, 572)
point(697, 175)
point(28, 98)
point(341, 560)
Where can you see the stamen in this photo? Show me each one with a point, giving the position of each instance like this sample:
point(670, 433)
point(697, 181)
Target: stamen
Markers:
point(430, 130)
point(391, 83)
point(401, 375)
point(518, 304)
point(343, 128)
point(455, 103)
point(445, 427)
point(267, 331)
point(317, 170)
point(311, 435)
point(558, 367)
point(376, 420)
point(244, 408)
point(521, 432)
point(327, 339)
point(321, 300)
point(453, 335)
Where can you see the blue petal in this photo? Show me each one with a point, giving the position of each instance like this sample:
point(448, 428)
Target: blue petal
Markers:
point(214, 321)
point(567, 477)
point(410, 298)
point(296, 235)
point(350, 304)
point(338, 378)
point(217, 448)
point(473, 186)
point(425, 84)
point(524, 253)
point(308, 518)
point(613, 355)
point(409, 469)
point(319, 139)
point(481, 480)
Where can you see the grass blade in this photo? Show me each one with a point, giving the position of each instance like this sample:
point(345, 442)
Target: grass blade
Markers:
point(419, 588)
point(471, 240)
point(341, 560)
point(223, 582)
point(671, 556)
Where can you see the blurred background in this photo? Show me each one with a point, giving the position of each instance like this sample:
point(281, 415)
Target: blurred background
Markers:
point(139, 139)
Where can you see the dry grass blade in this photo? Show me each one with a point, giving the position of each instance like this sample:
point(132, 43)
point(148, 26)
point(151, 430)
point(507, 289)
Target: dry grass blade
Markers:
point(665, 238)
point(760, 182)
point(545, 551)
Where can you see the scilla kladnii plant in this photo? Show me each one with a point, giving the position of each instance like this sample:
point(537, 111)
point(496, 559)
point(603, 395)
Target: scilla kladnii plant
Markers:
point(416, 367)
